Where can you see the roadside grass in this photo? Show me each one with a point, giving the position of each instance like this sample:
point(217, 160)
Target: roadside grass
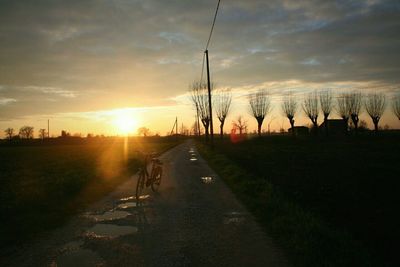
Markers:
point(326, 202)
point(42, 185)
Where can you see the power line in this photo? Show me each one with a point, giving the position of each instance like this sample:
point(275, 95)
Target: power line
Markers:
point(208, 41)
point(212, 27)
point(202, 69)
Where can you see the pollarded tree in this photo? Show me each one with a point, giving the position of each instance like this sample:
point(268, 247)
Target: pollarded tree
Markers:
point(240, 124)
point(26, 132)
point(260, 105)
point(199, 97)
point(9, 133)
point(326, 103)
point(222, 103)
point(143, 131)
point(396, 105)
point(311, 108)
point(343, 108)
point(375, 106)
point(42, 134)
point(354, 106)
point(289, 108)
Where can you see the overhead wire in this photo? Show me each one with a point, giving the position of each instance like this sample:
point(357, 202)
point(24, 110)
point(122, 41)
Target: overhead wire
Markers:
point(209, 39)
point(212, 27)
point(202, 68)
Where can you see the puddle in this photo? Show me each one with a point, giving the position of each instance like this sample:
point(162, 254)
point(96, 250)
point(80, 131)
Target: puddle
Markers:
point(191, 150)
point(128, 205)
point(143, 197)
point(234, 218)
point(126, 199)
point(193, 159)
point(79, 257)
point(207, 180)
point(72, 246)
point(108, 216)
point(110, 231)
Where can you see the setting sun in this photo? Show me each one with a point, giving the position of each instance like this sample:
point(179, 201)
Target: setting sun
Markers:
point(125, 121)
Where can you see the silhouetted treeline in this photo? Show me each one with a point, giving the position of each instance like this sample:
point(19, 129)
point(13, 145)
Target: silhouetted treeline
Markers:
point(348, 106)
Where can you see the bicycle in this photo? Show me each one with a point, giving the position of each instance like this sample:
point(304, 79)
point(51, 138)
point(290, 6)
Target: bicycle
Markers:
point(145, 179)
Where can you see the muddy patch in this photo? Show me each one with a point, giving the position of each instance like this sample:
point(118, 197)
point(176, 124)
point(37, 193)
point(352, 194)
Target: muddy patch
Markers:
point(107, 216)
point(78, 257)
point(110, 231)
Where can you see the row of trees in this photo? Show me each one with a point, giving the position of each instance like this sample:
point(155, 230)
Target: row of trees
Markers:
point(347, 105)
point(25, 132)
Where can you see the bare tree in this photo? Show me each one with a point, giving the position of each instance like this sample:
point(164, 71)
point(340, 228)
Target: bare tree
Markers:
point(222, 103)
point(42, 134)
point(260, 105)
point(326, 103)
point(26, 132)
point(355, 103)
point(199, 97)
point(240, 124)
point(289, 107)
point(343, 108)
point(143, 131)
point(195, 128)
point(311, 108)
point(9, 133)
point(184, 130)
point(396, 105)
point(375, 106)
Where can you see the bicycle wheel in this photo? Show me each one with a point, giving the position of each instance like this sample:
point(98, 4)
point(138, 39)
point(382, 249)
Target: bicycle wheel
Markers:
point(139, 185)
point(156, 179)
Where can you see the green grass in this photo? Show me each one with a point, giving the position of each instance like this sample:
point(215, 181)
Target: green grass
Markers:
point(329, 202)
point(43, 184)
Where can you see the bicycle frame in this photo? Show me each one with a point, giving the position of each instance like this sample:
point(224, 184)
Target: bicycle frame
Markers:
point(145, 179)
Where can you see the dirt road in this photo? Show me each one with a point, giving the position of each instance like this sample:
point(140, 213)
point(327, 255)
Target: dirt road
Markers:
point(193, 221)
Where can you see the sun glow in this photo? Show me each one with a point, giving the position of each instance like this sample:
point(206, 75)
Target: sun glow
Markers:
point(125, 121)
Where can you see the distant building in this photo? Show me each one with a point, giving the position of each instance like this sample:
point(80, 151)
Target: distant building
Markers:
point(335, 127)
point(299, 130)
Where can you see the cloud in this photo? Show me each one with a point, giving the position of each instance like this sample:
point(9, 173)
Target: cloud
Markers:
point(93, 55)
point(6, 101)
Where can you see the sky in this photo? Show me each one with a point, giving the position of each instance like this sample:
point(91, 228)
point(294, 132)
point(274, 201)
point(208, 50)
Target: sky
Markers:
point(92, 65)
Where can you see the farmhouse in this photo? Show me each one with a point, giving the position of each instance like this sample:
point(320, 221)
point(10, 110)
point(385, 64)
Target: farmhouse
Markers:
point(299, 130)
point(335, 127)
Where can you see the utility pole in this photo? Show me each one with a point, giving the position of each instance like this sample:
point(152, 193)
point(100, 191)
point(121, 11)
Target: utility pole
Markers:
point(197, 120)
point(209, 100)
point(48, 128)
point(176, 126)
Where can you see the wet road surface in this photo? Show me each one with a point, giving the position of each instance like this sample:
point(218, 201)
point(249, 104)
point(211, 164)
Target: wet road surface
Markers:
point(194, 220)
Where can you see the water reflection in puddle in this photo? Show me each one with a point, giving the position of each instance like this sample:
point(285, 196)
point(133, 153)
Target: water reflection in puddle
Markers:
point(78, 257)
point(193, 159)
point(234, 217)
point(207, 180)
point(191, 150)
point(128, 205)
point(142, 197)
point(108, 215)
point(110, 231)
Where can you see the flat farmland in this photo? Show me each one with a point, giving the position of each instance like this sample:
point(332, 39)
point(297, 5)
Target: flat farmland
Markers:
point(44, 183)
point(329, 201)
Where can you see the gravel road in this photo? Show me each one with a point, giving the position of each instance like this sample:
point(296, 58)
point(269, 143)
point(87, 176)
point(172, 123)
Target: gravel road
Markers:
point(194, 220)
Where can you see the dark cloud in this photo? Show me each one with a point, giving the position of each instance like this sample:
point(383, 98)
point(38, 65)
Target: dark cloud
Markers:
point(134, 53)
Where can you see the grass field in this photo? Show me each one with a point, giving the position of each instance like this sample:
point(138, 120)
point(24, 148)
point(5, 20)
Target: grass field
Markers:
point(329, 202)
point(43, 184)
